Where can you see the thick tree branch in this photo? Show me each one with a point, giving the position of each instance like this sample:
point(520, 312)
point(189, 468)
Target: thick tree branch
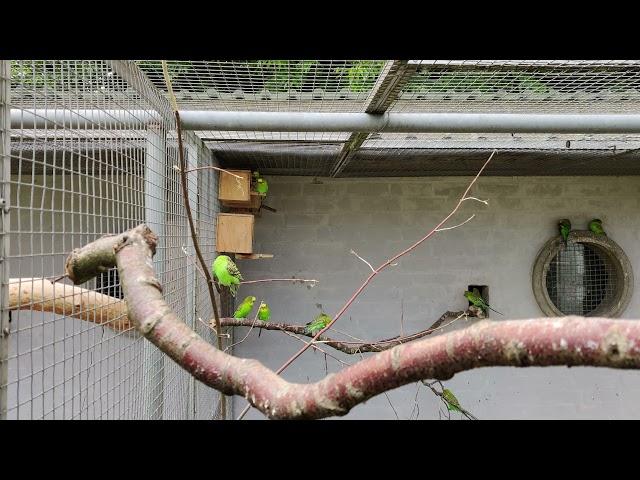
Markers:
point(45, 296)
point(571, 341)
point(350, 348)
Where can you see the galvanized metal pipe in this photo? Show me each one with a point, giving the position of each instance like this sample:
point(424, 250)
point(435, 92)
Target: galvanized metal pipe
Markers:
point(341, 122)
point(79, 119)
point(411, 122)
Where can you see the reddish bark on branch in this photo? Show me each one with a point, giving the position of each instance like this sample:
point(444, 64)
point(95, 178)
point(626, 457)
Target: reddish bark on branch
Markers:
point(571, 341)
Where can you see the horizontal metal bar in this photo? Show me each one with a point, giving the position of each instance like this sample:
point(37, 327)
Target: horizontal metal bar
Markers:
point(340, 122)
point(411, 122)
point(80, 119)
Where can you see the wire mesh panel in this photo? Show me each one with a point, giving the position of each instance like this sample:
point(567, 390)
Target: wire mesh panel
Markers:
point(397, 86)
point(93, 149)
point(534, 86)
point(269, 85)
point(581, 279)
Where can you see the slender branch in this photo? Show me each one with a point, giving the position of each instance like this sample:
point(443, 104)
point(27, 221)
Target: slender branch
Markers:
point(301, 280)
point(570, 341)
point(207, 167)
point(350, 348)
point(381, 268)
point(486, 202)
point(442, 229)
point(192, 228)
point(194, 263)
point(370, 266)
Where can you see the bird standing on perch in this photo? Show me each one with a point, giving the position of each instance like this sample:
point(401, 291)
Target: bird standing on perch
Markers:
point(264, 314)
point(595, 226)
point(565, 228)
point(244, 309)
point(262, 186)
point(476, 299)
point(317, 324)
point(227, 273)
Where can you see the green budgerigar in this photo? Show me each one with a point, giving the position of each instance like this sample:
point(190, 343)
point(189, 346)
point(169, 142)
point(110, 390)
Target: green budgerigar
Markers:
point(264, 314)
point(227, 273)
point(262, 186)
point(452, 402)
point(476, 299)
point(595, 226)
point(317, 324)
point(565, 228)
point(244, 309)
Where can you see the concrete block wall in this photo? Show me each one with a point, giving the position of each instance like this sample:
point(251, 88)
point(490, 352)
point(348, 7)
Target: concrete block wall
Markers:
point(319, 221)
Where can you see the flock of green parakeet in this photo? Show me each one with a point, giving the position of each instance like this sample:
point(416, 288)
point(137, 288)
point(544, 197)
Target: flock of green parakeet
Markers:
point(227, 274)
point(564, 226)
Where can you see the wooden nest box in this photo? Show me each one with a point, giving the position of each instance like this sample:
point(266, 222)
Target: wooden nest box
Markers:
point(234, 233)
point(236, 192)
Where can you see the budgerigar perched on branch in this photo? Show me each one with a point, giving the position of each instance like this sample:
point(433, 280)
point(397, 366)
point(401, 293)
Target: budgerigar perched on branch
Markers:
point(261, 185)
point(476, 299)
point(317, 324)
point(450, 399)
point(264, 314)
point(244, 309)
point(595, 226)
point(227, 273)
point(565, 228)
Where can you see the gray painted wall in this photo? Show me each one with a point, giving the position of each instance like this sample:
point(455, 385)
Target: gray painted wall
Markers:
point(317, 224)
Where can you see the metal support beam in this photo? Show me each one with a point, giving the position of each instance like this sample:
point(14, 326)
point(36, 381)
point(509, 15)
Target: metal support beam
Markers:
point(155, 205)
point(413, 122)
point(393, 77)
point(29, 119)
point(345, 122)
point(5, 173)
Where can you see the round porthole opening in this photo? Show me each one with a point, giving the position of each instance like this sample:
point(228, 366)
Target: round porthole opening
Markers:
point(591, 276)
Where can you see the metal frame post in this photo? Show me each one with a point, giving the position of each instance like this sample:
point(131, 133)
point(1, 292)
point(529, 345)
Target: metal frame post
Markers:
point(155, 209)
point(192, 152)
point(5, 173)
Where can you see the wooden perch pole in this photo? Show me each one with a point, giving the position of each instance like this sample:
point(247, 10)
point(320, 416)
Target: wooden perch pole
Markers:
point(45, 296)
point(571, 341)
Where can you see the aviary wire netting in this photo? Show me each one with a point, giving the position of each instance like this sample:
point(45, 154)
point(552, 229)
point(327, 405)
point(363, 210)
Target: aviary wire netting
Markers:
point(581, 279)
point(72, 181)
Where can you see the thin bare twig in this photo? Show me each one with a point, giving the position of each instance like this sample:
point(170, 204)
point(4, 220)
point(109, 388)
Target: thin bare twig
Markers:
point(187, 205)
point(255, 319)
point(486, 202)
point(301, 280)
point(193, 260)
point(442, 229)
point(207, 167)
point(370, 266)
point(378, 270)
